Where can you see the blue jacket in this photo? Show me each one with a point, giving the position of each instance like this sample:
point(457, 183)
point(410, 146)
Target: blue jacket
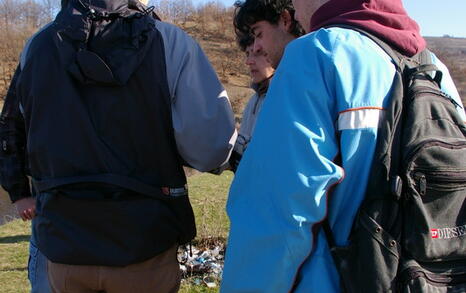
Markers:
point(325, 101)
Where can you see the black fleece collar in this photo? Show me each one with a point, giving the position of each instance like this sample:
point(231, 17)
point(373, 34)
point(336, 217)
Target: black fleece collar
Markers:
point(102, 5)
point(110, 37)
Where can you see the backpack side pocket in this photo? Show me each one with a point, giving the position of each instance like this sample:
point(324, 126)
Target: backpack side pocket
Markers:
point(373, 254)
point(435, 226)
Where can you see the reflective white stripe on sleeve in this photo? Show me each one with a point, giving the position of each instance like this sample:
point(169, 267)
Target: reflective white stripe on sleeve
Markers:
point(357, 118)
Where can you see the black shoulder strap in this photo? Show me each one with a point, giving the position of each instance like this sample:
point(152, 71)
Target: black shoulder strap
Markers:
point(423, 59)
point(424, 64)
point(395, 55)
point(399, 62)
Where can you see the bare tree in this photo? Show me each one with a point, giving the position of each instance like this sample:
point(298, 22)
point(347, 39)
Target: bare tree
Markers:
point(30, 14)
point(49, 9)
point(19, 19)
point(8, 12)
point(175, 11)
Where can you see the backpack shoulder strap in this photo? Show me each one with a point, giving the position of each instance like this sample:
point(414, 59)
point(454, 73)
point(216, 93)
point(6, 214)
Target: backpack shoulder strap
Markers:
point(405, 66)
point(398, 58)
point(419, 63)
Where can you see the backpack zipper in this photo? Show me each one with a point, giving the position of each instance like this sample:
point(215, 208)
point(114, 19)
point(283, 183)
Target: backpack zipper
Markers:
point(427, 90)
point(454, 176)
point(438, 177)
point(431, 142)
point(422, 182)
point(417, 272)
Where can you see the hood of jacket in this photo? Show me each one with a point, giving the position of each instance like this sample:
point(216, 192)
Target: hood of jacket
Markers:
point(386, 19)
point(110, 38)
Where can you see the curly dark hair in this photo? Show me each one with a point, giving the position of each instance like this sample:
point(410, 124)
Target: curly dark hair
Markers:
point(249, 12)
point(244, 40)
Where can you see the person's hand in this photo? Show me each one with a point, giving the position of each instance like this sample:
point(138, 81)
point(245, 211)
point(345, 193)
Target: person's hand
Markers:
point(26, 208)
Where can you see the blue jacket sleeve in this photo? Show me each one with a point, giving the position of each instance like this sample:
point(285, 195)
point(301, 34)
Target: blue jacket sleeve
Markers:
point(279, 192)
point(322, 108)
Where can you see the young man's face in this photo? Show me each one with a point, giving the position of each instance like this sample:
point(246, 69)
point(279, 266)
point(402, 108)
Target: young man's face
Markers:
point(259, 66)
point(271, 39)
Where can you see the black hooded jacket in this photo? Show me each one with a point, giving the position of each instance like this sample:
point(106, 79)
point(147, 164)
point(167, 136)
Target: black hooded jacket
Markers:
point(98, 133)
point(96, 102)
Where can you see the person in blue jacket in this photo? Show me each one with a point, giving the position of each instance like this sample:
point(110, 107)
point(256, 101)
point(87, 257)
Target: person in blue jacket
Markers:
point(313, 145)
point(272, 23)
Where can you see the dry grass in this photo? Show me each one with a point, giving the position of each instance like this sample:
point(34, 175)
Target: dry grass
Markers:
point(211, 26)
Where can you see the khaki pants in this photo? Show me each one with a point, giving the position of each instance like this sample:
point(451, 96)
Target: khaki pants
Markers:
point(160, 274)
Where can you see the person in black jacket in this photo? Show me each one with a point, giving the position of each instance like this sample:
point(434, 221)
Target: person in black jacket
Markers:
point(107, 105)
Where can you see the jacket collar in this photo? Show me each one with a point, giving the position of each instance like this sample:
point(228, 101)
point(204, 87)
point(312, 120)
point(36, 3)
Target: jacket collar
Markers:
point(110, 39)
point(101, 5)
point(261, 87)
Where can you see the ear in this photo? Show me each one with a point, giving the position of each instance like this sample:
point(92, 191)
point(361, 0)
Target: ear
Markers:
point(286, 20)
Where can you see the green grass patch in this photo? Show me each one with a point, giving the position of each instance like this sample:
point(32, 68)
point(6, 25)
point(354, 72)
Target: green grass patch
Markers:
point(14, 254)
point(208, 195)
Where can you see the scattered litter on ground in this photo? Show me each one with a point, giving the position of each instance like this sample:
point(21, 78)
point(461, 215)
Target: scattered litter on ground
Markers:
point(202, 265)
point(210, 281)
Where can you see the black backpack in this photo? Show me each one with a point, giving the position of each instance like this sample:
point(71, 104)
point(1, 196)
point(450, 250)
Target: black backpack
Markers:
point(410, 231)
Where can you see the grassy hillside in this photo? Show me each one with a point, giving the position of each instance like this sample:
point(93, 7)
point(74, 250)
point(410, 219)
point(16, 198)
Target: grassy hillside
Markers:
point(452, 51)
point(214, 31)
point(14, 240)
point(208, 197)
